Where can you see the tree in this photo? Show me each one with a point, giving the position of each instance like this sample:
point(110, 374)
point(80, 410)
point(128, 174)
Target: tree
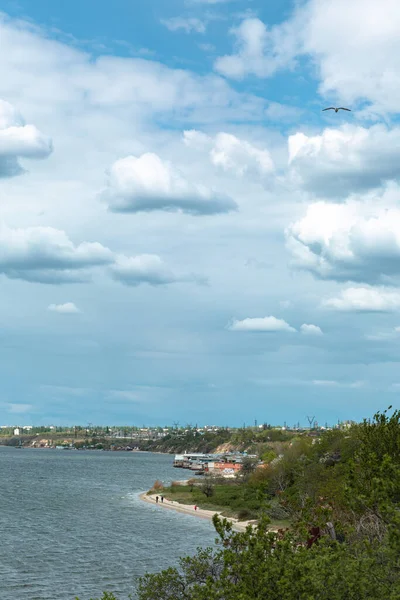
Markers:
point(374, 482)
point(249, 465)
point(259, 564)
point(207, 487)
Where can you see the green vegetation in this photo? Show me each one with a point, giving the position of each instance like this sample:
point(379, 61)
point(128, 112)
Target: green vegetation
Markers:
point(191, 441)
point(243, 499)
point(168, 439)
point(252, 440)
point(230, 498)
point(341, 492)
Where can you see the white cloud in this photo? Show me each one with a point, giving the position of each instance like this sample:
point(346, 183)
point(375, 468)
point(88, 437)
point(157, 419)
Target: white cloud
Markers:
point(384, 336)
point(259, 51)
point(358, 241)
point(340, 161)
point(231, 153)
point(327, 383)
point(47, 255)
point(146, 268)
point(187, 24)
point(147, 183)
point(266, 324)
point(310, 329)
point(59, 78)
point(101, 108)
point(18, 140)
point(357, 384)
point(364, 299)
point(362, 67)
point(67, 308)
point(333, 383)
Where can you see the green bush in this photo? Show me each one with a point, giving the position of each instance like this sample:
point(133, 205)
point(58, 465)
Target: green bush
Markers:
point(246, 514)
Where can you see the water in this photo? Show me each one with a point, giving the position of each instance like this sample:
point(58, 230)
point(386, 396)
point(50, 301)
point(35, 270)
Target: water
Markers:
point(72, 524)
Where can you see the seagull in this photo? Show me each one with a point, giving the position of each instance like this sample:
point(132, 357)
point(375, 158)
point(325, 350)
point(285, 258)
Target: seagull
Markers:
point(336, 109)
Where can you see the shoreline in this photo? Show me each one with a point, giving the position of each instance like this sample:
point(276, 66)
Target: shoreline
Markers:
point(84, 449)
point(189, 510)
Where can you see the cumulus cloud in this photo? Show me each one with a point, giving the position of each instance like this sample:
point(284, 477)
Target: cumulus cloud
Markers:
point(231, 153)
point(66, 309)
point(340, 161)
point(186, 24)
point(47, 255)
point(59, 77)
point(362, 67)
point(266, 324)
point(363, 299)
point(18, 140)
point(357, 241)
point(145, 268)
point(147, 183)
point(258, 50)
point(310, 329)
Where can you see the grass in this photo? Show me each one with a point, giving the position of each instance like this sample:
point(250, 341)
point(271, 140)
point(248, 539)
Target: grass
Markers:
point(231, 499)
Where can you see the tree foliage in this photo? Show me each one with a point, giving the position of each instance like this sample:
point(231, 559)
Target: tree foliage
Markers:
point(347, 483)
point(342, 493)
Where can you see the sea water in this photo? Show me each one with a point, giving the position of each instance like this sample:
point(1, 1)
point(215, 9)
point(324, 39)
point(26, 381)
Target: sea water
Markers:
point(72, 523)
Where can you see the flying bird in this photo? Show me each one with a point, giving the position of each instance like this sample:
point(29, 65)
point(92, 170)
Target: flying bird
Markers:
point(336, 109)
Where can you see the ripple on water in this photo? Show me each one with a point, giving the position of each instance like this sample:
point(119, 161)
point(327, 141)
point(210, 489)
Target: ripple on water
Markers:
point(72, 523)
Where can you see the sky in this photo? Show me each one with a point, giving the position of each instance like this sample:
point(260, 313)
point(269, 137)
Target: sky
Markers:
point(184, 234)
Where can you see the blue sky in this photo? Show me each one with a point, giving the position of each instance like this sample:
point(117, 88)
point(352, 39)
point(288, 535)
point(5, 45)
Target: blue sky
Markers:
point(184, 234)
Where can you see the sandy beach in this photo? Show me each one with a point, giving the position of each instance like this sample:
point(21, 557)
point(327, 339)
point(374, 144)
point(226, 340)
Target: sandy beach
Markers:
point(189, 510)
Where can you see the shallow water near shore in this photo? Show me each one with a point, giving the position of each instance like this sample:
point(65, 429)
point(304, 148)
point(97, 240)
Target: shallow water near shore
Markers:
point(72, 523)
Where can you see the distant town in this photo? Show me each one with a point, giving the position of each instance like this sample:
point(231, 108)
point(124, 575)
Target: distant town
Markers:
point(157, 431)
point(172, 439)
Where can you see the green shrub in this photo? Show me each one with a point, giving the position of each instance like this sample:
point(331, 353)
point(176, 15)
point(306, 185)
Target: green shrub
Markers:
point(245, 514)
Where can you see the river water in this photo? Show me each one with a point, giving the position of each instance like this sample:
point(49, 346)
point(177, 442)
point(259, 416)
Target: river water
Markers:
point(71, 523)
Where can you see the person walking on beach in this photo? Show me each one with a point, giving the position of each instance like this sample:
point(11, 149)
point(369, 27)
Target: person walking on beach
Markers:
point(156, 499)
point(195, 507)
point(162, 499)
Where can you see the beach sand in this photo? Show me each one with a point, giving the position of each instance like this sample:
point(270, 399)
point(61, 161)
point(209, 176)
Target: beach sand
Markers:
point(188, 509)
